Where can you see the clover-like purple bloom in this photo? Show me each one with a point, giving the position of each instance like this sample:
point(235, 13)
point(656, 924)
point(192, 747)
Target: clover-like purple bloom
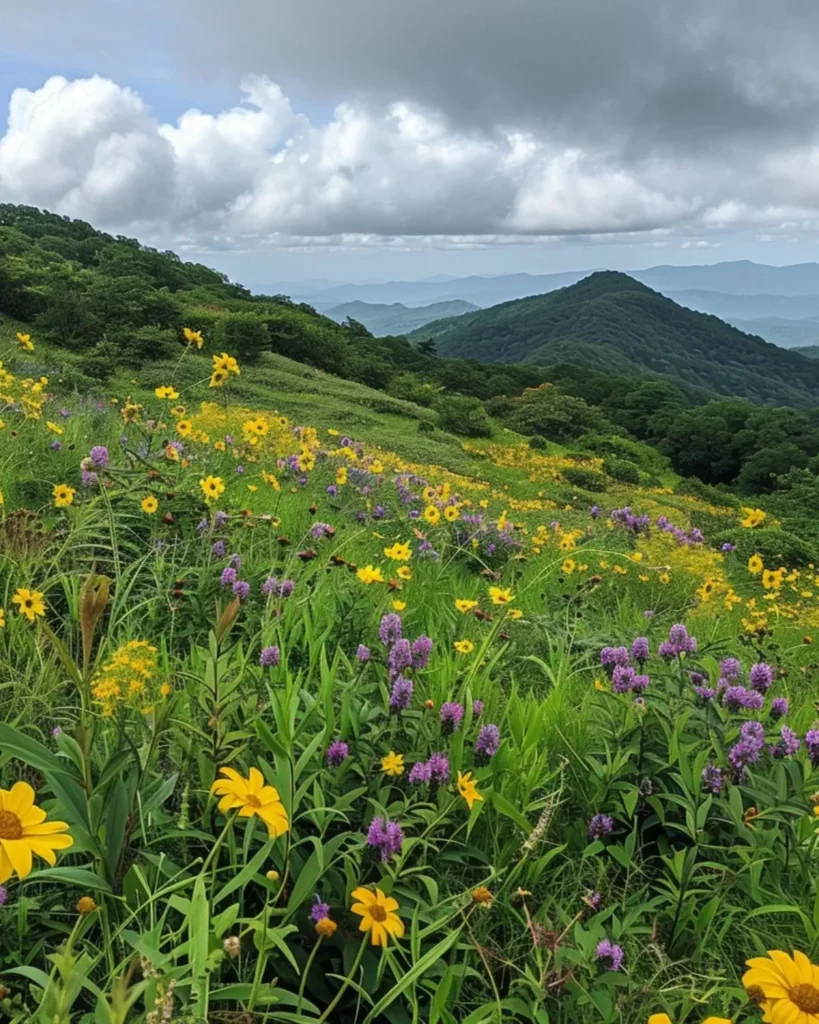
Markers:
point(488, 742)
point(270, 656)
point(451, 716)
point(337, 752)
point(600, 826)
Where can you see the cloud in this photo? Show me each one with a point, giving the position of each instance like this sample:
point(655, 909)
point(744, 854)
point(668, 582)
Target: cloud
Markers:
point(392, 174)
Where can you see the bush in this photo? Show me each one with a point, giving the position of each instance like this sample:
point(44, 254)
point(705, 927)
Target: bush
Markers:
point(465, 416)
point(589, 479)
point(775, 546)
point(622, 470)
point(557, 417)
point(243, 335)
point(538, 443)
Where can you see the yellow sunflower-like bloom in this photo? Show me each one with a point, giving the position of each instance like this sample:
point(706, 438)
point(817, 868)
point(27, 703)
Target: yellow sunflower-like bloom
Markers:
point(464, 646)
point(399, 552)
point(369, 574)
point(663, 1018)
point(212, 487)
point(392, 764)
point(468, 788)
point(785, 988)
point(149, 505)
point(166, 392)
point(193, 337)
point(378, 915)
point(24, 831)
point(63, 495)
point(251, 796)
point(29, 603)
point(499, 595)
point(463, 605)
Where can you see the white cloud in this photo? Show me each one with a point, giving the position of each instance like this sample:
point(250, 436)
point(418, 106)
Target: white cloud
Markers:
point(393, 175)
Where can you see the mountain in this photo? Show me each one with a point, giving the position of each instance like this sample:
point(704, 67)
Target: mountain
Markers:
point(610, 321)
point(396, 318)
point(741, 277)
point(810, 351)
point(785, 333)
point(747, 307)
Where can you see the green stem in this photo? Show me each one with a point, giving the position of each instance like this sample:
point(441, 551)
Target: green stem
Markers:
point(345, 985)
point(305, 972)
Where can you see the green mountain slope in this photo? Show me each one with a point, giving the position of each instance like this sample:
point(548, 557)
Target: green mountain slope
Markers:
point(395, 317)
point(611, 322)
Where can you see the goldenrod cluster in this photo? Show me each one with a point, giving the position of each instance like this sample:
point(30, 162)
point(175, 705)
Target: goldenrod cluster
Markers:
point(129, 677)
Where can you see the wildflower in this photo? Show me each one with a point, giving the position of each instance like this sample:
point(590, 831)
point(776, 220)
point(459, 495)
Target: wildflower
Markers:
point(420, 773)
point(369, 574)
point(663, 1018)
point(85, 906)
point(166, 392)
point(2, 618)
point(499, 595)
point(232, 945)
point(761, 677)
point(421, 650)
point(386, 836)
point(779, 707)
point(25, 342)
point(401, 696)
point(812, 746)
point(404, 572)
point(600, 826)
point(251, 796)
point(640, 649)
point(752, 517)
point(390, 629)
point(399, 552)
point(24, 831)
point(228, 577)
point(607, 950)
point(319, 910)
point(378, 915)
point(451, 716)
point(149, 505)
point(399, 606)
point(218, 378)
point(477, 708)
point(432, 515)
point(30, 603)
point(788, 986)
point(63, 495)
point(363, 653)
point(789, 743)
point(241, 588)
point(270, 656)
point(326, 927)
point(488, 742)
point(272, 875)
point(737, 697)
point(730, 668)
point(468, 788)
point(463, 605)
point(439, 768)
point(212, 487)
point(193, 337)
point(464, 646)
point(4, 895)
point(184, 428)
point(392, 764)
point(400, 656)
point(99, 456)
point(611, 657)
point(713, 778)
point(337, 753)
point(451, 513)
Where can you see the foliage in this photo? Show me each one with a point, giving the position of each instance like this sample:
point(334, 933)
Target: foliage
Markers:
point(465, 416)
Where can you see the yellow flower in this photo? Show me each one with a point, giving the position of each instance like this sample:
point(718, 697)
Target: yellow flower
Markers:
point(24, 831)
point(463, 605)
point(193, 337)
point(464, 646)
point(184, 427)
point(25, 342)
point(568, 566)
point(663, 1018)
point(85, 906)
point(370, 575)
point(432, 514)
point(218, 378)
point(250, 796)
point(378, 915)
point(404, 572)
point(333, 432)
point(2, 618)
point(326, 927)
point(226, 363)
point(399, 606)
point(63, 495)
point(392, 764)
point(166, 392)
point(341, 475)
point(755, 565)
point(451, 513)
point(149, 505)
point(212, 487)
point(753, 517)
point(483, 896)
point(514, 613)
point(399, 552)
point(53, 427)
point(376, 466)
point(165, 689)
point(786, 989)
point(500, 596)
point(468, 788)
point(30, 603)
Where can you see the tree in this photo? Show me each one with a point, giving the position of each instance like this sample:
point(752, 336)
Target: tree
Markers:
point(243, 335)
point(427, 347)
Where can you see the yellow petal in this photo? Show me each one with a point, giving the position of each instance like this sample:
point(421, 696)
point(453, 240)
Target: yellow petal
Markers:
point(20, 798)
point(19, 853)
point(659, 1018)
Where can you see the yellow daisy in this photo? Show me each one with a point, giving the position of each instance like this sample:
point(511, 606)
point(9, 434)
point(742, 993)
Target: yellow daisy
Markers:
point(149, 505)
point(24, 831)
point(785, 988)
point(392, 764)
point(63, 495)
point(378, 915)
point(30, 603)
point(251, 796)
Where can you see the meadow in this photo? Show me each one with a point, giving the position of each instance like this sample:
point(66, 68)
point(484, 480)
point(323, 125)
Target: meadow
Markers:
point(311, 711)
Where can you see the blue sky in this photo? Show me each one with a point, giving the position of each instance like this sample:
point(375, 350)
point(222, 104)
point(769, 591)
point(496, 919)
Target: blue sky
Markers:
point(377, 141)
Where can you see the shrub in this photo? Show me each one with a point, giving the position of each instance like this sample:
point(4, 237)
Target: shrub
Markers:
point(775, 546)
point(243, 335)
point(538, 443)
point(589, 479)
point(465, 416)
point(622, 470)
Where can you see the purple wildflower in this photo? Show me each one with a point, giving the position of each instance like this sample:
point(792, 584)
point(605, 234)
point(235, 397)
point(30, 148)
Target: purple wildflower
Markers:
point(789, 743)
point(235, 562)
point(594, 511)
point(220, 519)
point(622, 679)
point(705, 693)
point(55, 446)
point(610, 657)
point(319, 911)
point(451, 716)
point(640, 683)
point(337, 752)
point(713, 778)
point(99, 456)
point(241, 589)
point(400, 657)
point(812, 746)
point(640, 649)
point(386, 836)
point(270, 656)
point(218, 549)
point(600, 825)
point(488, 742)
point(401, 696)
point(779, 707)
point(607, 950)
point(228, 577)
point(439, 767)
point(761, 676)
point(477, 708)
point(421, 650)
point(420, 773)
point(363, 653)
point(390, 629)
point(737, 697)
point(728, 547)
point(4, 894)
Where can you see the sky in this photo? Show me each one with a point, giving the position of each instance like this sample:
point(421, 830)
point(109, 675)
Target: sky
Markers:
point(378, 139)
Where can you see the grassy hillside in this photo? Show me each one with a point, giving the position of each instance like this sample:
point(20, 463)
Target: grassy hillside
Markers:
point(611, 322)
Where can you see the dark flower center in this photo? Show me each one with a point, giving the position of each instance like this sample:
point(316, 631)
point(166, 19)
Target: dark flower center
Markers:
point(806, 997)
point(378, 913)
point(10, 825)
point(252, 801)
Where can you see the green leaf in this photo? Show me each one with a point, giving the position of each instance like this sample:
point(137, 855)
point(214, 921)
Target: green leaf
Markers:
point(80, 878)
point(198, 929)
point(419, 968)
point(32, 752)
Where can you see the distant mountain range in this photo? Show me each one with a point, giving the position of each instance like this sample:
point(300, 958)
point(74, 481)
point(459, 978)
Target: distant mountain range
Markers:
point(396, 318)
point(610, 321)
point(769, 301)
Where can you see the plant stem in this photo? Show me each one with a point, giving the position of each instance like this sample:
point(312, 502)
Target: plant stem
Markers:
point(346, 982)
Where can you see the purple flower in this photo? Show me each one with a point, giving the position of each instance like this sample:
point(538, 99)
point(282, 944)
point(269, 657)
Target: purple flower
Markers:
point(737, 697)
point(220, 519)
point(400, 657)
point(235, 562)
point(713, 778)
point(600, 825)
point(401, 696)
point(218, 549)
point(594, 511)
point(613, 656)
point(607, 950)
point(488, 742)
point(270, 656)
point(420, 773)
point(4, 895)
point(286, 588)
point(421, 650)
point(319, 530)
point(240, 468)
point(705, 693)
point(363, 653)
point(622, 679)
point(639, 649)
point(761, 676)
point(386, 836)
point(648, 613)
point(241, 589)
point(228, 577)
point(390, 629)
point(730, 668)
point(56, 731)
point(336, 753)
point(477, 708)
point(88, 479)
point(640, 683)
point(728, 547)
point(451, 716)
point(667, 650)
point(789, 743)
point(439, 767)
point(319, 910)
point(680, 641)
point(812, 746)
point(332, 490)
point(55, 446)
point(99, 456)
point(779, 707)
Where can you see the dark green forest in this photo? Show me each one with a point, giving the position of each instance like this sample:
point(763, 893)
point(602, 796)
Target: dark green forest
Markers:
point(653, 375)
